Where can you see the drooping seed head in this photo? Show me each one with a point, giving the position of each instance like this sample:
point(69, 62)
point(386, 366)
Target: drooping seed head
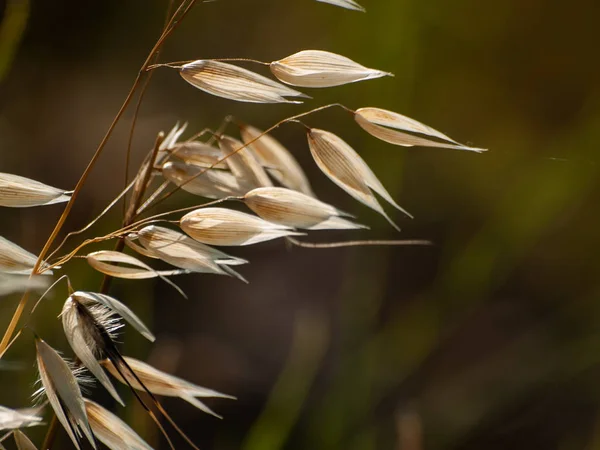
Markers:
point(243, 164)
point(207, 183)
point(199, 154)
point(16, 260)
point(320, 69)
point(221, 226)
point(294, 209)
point(348, 170)
point(396, 129)
point(112, 431)
point(161, 383)
point(21, 192)
point(234, 83)
point(282, 165)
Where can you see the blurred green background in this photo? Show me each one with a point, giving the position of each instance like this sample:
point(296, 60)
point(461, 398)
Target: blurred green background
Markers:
point(490, 339)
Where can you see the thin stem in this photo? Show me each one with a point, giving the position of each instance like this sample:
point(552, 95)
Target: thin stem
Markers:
point(51, 433)
point(356, 243)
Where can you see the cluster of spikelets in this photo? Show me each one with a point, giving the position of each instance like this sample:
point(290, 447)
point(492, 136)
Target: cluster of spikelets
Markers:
point(256, 170)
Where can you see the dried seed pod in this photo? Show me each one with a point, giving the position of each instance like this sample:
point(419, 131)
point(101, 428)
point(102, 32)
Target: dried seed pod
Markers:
point(21, 192)
point(320, 69)
point(17, 260)
point(394, 128)
point(294, 209)
point(234, 83)
point(347, 4)
point(64, 395)
point(270, 153)
point(20, 283)
point(207, 183)
point(90, 322)
point(243, 164)
point(199, 154)
point(221, 226)
point(182, 251)
point(22, 441)
point(161, 383)
point(105, 261)
point(112, 431)
point(348, 170)
point(170, 140)
point(11, 419)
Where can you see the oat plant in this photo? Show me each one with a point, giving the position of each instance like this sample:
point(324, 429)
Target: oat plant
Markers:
point(252, 168)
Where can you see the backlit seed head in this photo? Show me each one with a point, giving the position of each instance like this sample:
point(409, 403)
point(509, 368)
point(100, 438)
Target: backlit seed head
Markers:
point(21, 192)
point(221, 226)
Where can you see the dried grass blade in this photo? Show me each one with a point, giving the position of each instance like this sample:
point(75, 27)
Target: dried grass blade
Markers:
point(347, 4)
point(226, 227)
point(270, 153)
point(348, 170)
point(112, 431)
point(21, 192)
point(234, 83)
point(321, 69)
point(394, 128)
point(63, 392)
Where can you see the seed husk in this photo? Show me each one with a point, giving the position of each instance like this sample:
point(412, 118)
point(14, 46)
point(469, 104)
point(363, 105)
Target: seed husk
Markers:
point(243, 164)
point(347, 4)
point(395, 129)
point(282, 165)
point(226, 227)
point(321, 69)
point(207, 183)
point(234, 83)
point(21, 192)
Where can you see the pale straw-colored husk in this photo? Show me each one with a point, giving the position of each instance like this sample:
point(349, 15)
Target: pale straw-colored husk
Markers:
point(234, 83)
point(295, 209)
point(204, 182)
point(199, 154)
point(11, 419)
point(281, 164)
point(21, 192)
point(161, 383)
point(106, 262)
point(23, 442)
point(394, 128)
point(10, 283)
point(112, 431)
point(182, 251)
point(64, 395)
point(243, 164)
point(16, 260)
point(348, 170)
point(221, 226)
point(320, 69)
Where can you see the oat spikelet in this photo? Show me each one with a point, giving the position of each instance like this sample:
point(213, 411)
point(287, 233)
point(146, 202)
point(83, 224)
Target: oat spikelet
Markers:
point(16, 260)
point(20, 283)
point(348, 170)
point(221, 226)
point(182, 251)
point(234, 83)
point(105, 261)
point(207, 183)
point(199, 154)
point(12, 418)
point(294, 209)
point(112, 431)
point(23, 442)
point(282, 165)
point(161, 383)
point(320, 69)
point(243, 164)
point(63, 393)
point(21, 192)
point(394, 128)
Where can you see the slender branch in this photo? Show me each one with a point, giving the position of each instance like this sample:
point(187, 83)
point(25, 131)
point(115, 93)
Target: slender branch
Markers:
point(356, 243)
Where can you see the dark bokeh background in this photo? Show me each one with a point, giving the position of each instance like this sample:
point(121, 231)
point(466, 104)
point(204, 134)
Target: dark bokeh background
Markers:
point(490, 339)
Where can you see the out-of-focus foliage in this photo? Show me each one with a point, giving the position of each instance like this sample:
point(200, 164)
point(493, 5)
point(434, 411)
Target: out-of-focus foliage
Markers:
point(487, 340)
